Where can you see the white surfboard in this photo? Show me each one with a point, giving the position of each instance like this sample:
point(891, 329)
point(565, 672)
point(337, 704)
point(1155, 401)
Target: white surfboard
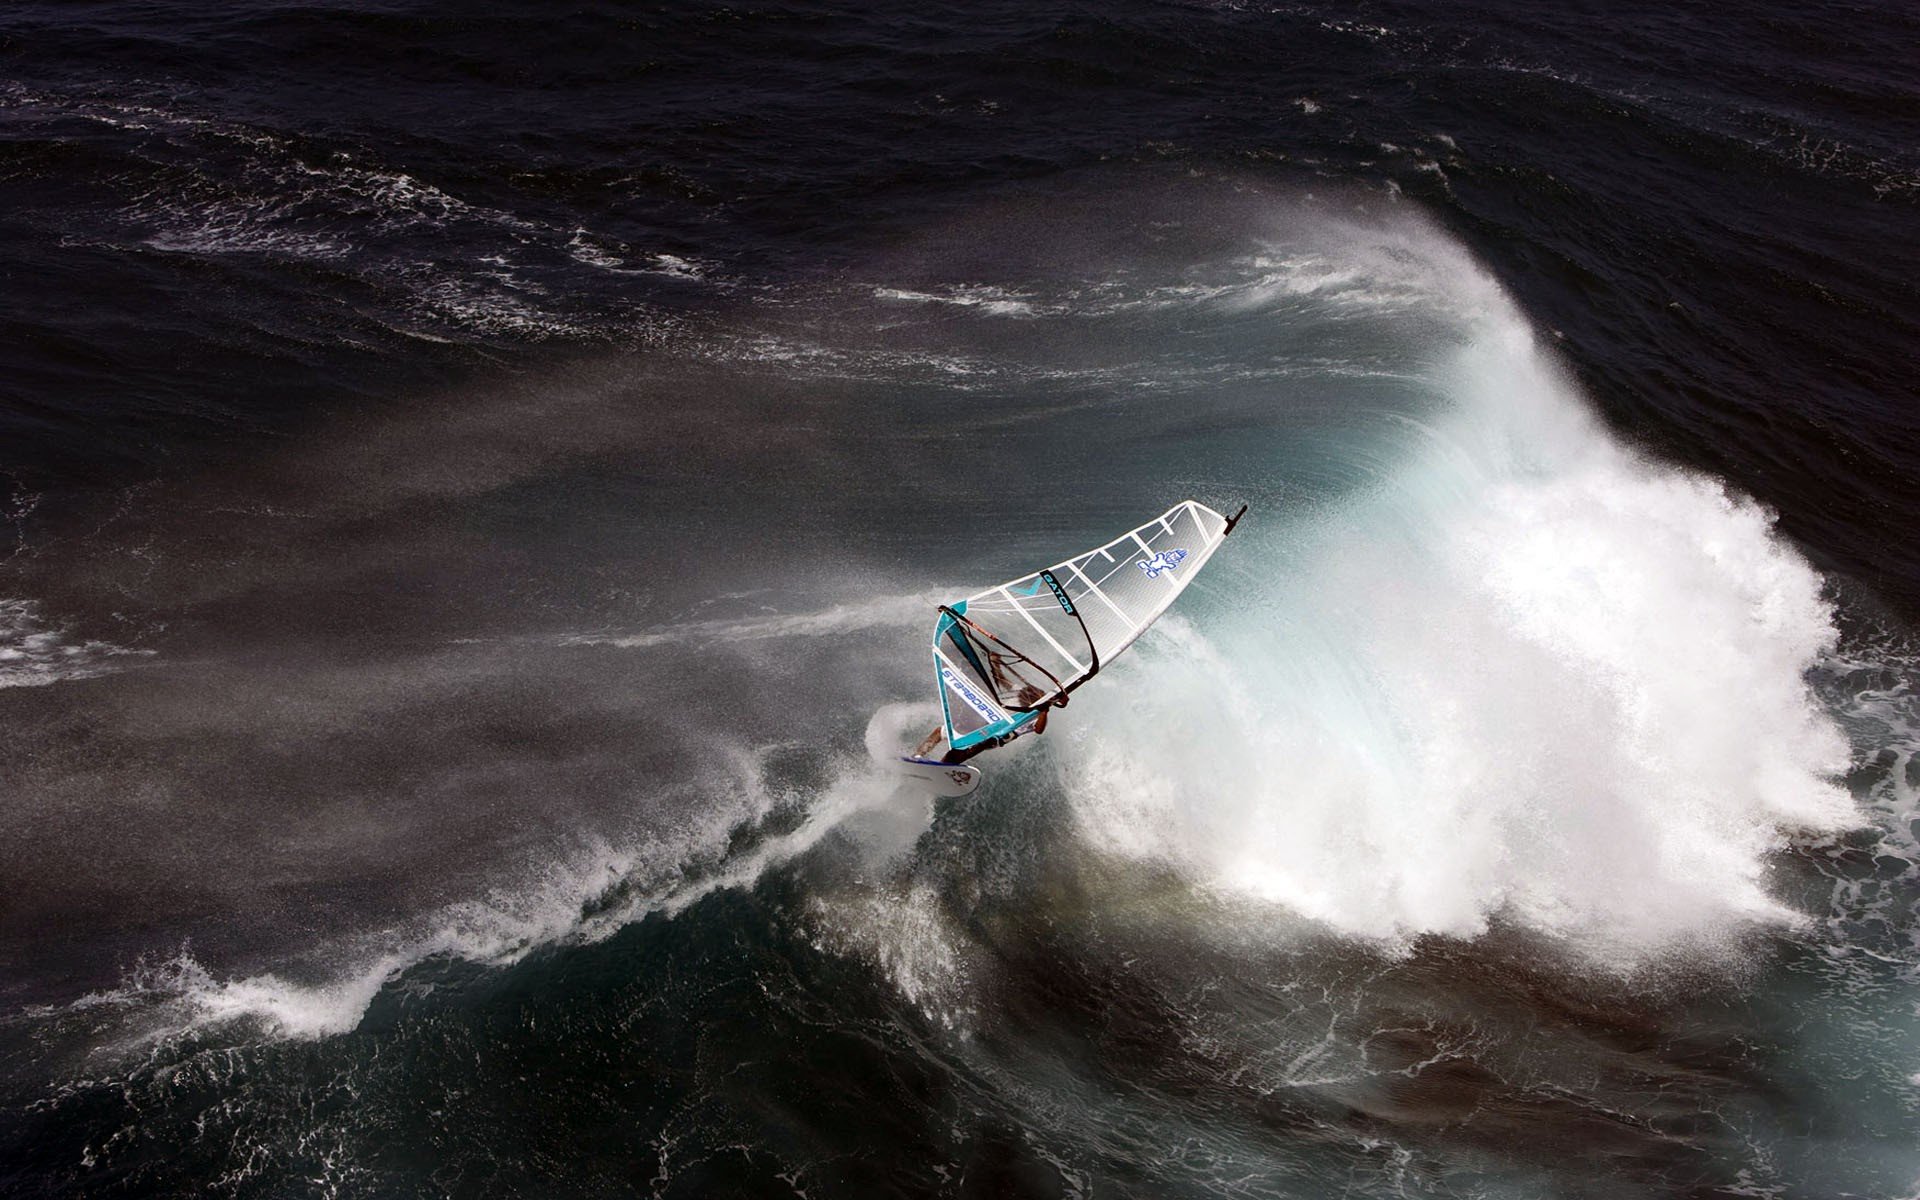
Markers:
point(941, 779)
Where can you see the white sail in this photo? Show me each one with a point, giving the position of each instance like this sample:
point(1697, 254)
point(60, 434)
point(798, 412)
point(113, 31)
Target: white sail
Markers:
point(1003, 654)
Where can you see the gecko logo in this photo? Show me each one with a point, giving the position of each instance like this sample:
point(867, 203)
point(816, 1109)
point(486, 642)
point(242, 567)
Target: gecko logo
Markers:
point(960, 777)
point(1166, 560)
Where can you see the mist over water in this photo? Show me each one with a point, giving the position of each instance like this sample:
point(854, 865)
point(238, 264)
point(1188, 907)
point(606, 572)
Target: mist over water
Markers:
point(446, 631)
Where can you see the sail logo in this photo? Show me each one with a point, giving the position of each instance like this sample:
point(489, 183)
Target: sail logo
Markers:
point(966, 691)
point(1050, 580)
point(1162, 562)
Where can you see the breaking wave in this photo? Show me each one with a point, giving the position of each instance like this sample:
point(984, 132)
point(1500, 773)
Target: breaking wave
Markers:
point(1522, 673)
point(1516, 672)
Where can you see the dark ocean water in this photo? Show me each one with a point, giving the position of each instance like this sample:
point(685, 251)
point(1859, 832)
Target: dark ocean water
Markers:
point(470, 479)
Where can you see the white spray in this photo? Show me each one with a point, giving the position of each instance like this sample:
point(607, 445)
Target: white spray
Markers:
point(1524, 673)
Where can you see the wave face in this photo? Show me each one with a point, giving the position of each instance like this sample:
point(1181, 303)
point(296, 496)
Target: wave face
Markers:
point(473, 490)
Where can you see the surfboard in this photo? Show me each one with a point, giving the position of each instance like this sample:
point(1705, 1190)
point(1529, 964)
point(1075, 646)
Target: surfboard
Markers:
point(942, 779)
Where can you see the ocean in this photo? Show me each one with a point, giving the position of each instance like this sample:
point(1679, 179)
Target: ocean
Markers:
point(477, 479)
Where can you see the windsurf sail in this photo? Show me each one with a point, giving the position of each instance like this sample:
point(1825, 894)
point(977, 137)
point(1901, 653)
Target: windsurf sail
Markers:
point(1003, 656)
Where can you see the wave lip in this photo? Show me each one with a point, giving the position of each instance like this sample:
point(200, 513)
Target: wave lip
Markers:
point(584, 900)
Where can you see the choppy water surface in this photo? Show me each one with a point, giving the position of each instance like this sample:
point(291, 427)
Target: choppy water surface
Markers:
point(470, 481)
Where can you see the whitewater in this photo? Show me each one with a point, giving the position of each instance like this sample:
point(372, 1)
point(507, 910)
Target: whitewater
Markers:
point(1518, 671)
